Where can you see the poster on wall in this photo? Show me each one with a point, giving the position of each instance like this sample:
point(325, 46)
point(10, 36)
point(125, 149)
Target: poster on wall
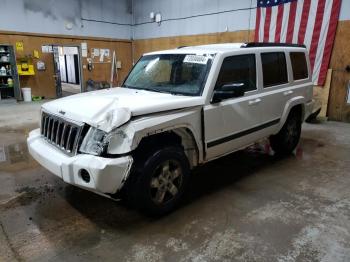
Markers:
point(95, 52)
point(105, 52)
point(46, 49)
point(84, 51)
point(40, 65)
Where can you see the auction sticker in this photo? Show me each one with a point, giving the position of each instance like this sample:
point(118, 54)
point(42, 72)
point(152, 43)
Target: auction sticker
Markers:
point(196, 59)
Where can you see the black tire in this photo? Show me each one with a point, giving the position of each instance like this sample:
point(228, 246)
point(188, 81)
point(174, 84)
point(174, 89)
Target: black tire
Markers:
point(287, 139)
point(158, 181)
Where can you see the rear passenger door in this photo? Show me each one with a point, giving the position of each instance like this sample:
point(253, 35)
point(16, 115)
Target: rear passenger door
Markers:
point(275, 87)
point(230, 124)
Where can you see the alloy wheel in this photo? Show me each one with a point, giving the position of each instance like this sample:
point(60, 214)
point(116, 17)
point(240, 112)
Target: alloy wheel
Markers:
point(166, 182)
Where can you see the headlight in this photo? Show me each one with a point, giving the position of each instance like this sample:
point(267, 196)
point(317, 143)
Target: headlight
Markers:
point(94, 142)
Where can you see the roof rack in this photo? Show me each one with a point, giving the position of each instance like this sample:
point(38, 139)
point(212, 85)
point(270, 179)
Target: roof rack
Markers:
point(261, 44)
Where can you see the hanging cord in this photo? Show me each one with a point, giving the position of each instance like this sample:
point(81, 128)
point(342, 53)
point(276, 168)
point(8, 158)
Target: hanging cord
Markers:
point(167, 19)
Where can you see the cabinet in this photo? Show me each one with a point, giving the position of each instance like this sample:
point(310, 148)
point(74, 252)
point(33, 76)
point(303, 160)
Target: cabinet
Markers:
point(9, 82)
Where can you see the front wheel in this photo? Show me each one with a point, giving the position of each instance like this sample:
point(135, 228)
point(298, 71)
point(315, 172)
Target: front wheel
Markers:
point(160, 180)
point(286, 140)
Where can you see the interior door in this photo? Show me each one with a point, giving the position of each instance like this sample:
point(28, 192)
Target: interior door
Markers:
point(56, 68)
point(231, 123)
point(70, 69)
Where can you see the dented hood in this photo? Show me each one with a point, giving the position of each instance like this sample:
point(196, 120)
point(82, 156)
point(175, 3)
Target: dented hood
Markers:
point(110, 108)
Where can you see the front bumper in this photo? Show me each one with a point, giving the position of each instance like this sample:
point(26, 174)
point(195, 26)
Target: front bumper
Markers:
point(107, 174)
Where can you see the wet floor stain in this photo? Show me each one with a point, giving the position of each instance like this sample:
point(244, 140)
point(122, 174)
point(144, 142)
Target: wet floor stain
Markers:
point(15, 157)
point(13, 154)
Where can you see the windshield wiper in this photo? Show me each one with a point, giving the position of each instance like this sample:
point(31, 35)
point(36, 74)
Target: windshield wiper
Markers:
point(155, 90)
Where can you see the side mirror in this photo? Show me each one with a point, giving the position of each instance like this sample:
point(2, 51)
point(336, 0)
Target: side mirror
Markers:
point(228, 91)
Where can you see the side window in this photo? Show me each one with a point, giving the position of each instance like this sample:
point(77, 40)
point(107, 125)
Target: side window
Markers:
point(299, 65)
point(238, 69)
point(274, 69)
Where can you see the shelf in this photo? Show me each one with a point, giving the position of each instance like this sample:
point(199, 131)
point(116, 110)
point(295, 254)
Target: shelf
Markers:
point(6, 90)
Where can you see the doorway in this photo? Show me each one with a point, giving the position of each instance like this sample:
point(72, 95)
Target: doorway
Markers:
point(67, 69)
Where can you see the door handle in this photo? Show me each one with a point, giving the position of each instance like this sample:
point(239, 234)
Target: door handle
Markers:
point(254, 102)
point(288, 93)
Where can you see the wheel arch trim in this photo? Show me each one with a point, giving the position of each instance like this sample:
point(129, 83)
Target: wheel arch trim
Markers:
point(295, 101)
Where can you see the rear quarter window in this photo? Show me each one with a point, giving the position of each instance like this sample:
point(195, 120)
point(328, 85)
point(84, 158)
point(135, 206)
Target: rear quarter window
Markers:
point(299, 65)
point(274, 68)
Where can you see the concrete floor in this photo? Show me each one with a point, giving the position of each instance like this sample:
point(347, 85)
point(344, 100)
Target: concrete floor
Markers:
point(248, 206)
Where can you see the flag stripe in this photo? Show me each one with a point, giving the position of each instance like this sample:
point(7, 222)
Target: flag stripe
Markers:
point(285, 23)
point(291, 21)
point(299, 9)
point(310, 24)
point(317, 32)
point(267, 24)
point(257, 24)
point(273, 25)
point(330, 40)
point(262, 21)
point(322, 40)
point(279, 24)
point(303, 22)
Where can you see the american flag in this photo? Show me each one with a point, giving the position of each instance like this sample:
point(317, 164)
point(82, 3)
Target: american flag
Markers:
point(309, 22)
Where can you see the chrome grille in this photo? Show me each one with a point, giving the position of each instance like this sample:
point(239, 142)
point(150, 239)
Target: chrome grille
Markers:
point(63, 134)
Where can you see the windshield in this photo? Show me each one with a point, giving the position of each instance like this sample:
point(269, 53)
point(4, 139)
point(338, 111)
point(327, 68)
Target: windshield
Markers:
point(182, 74)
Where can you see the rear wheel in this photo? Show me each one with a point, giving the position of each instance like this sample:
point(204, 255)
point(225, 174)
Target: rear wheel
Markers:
point(159, 181)
point(286, 140)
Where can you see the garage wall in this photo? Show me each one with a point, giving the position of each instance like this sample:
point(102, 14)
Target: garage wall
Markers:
point(191, 17)
point(43, 82)
point(191, 22)
point(45, 22)
point(344, 10)
point(85, 17)
point(185, 22)
point(338, 109)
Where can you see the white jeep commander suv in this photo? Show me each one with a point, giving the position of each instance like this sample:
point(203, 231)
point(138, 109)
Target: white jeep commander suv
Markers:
point(177, 109)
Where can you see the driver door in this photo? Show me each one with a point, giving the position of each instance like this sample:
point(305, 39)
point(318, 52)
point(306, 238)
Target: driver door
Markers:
point(232, 123)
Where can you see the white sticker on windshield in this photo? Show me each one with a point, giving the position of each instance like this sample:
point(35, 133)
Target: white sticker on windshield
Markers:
point(196, 59)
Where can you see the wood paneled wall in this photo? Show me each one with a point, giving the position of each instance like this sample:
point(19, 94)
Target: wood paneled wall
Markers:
point(337, 107)
point(43, 83)
point(154, 44)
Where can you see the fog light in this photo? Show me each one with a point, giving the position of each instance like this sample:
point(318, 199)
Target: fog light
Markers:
point(85, 175)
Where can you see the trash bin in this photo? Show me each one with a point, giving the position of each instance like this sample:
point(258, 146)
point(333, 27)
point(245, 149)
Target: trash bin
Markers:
point(27, 94)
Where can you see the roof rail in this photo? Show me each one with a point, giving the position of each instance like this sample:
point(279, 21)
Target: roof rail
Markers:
point(182, 46)
point(261, 44)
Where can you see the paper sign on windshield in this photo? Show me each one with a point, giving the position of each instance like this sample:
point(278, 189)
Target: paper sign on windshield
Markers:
point(196, 59)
